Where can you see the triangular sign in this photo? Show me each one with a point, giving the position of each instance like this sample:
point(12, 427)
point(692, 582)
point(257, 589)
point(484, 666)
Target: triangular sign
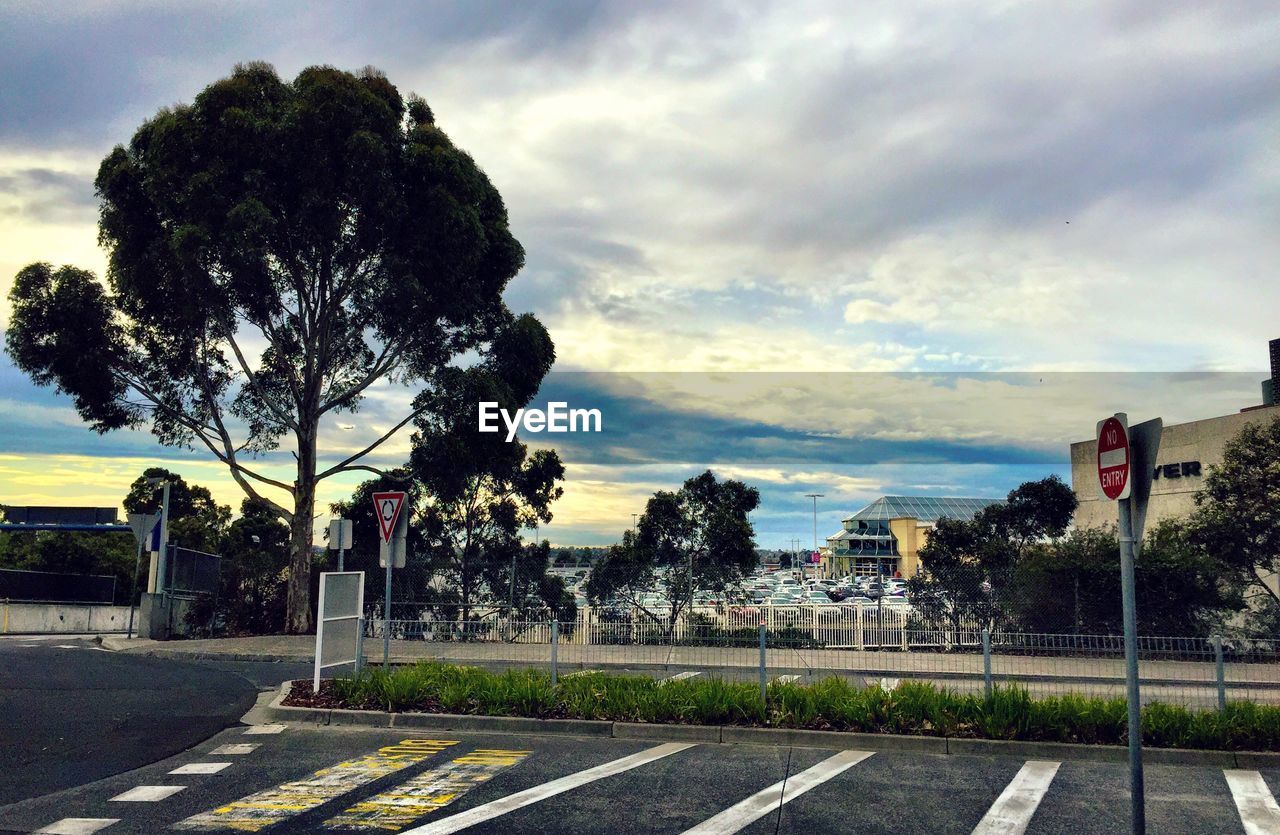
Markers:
point(386, 506)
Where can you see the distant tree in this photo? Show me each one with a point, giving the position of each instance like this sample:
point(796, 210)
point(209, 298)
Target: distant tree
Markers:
point(326, 219)
point(1237, 515)
point(1073, 585)
point(968, 565)
point(697, 538)
point(255, 560)
point(196, 521)
point(479, 490)
point(63, 552)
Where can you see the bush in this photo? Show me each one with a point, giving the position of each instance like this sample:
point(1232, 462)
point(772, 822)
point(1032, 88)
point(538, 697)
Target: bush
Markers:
point(915, 708)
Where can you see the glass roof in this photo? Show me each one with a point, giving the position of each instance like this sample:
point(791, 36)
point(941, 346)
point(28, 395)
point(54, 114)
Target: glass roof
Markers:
point(924, 508)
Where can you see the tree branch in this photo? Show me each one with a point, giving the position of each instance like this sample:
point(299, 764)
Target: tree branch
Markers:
point(386, 361)
point(280, 415)
point(341, 465)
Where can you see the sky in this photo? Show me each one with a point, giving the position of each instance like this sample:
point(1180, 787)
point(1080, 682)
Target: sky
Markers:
point(854, 249)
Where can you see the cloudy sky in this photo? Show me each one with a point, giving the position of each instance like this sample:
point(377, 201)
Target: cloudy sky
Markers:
point(809, 192)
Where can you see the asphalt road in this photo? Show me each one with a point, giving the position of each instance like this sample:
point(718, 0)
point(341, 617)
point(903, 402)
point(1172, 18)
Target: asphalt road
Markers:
point(306, 779)
point(74, 713)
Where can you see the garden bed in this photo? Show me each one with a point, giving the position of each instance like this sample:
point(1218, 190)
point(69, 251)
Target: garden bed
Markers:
point(833, 704)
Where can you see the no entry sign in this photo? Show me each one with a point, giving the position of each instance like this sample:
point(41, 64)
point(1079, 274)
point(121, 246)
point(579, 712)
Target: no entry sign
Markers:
point(1114, 457)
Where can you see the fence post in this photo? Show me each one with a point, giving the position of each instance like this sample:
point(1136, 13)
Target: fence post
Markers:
point(764, 687)
point(1221, 676)
point(555, 647)
point(986, 661)
point(359, 645)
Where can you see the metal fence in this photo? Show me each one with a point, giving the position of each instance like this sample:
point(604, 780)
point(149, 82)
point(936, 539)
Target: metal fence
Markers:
point(53, 587)
point(866, 646)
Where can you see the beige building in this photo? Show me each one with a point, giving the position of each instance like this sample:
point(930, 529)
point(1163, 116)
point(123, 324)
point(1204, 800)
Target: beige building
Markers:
point(885, 537)
point(1187, 451)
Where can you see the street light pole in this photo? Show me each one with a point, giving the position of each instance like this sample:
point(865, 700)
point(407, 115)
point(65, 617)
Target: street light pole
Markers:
point(815, 497)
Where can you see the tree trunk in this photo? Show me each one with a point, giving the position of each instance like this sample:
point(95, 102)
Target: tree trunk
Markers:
point(298, 600)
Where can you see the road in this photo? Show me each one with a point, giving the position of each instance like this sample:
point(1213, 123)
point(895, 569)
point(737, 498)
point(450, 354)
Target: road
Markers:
point(74, 713)
point(307, 779)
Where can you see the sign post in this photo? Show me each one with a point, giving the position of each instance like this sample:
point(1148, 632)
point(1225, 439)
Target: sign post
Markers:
point(142, 525)
point(340, 538)
point(1126, 459)
point(387, 507)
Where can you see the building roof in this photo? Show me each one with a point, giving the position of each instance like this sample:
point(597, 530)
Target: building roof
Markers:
point(924, 508)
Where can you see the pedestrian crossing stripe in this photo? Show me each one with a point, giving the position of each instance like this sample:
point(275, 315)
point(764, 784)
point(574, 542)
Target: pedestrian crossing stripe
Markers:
point(262, 809)
point(401, 805)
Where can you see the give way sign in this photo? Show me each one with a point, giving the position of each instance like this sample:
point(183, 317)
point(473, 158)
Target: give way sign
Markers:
point(1114, 457)
point(386, 506)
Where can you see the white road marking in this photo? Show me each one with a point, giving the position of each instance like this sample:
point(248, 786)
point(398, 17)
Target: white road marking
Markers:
point(678, 677)
point(264, 729)
point(200, 768)
point(234, 748)
point(1258, 810)
point(1012, 811)
point(780, 793)
point(76, 826)
point(148, 794)
point(66, 646)
point(510, 803)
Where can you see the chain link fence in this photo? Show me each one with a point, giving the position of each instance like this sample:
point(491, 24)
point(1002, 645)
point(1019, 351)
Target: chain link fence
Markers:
point(865, 644)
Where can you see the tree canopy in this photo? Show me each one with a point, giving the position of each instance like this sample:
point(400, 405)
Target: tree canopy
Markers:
point(276, 248)
point(698, 538)
point(969, 564)
point(1237, 515)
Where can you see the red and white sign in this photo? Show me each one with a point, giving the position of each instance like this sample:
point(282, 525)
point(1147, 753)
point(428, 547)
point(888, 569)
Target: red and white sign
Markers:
point(1114, 457)
point(386, 506)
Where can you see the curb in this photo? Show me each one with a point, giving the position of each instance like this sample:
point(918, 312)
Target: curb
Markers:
point(739, 735)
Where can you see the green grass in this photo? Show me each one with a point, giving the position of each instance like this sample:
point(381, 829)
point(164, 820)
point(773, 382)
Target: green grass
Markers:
point(914, 708)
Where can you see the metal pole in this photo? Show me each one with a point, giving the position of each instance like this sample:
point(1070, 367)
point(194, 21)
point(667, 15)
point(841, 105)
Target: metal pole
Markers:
point(1137, 790)
point(133, 588)
point(555, 646)
point(764, 687)
point(341, 553)
point(164, 540)
point(1222, 680)
point(986, 662)
point(359, 644)
point(386, 614)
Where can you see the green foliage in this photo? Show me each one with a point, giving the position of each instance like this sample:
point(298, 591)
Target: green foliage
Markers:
point(699, 537)
point(1237, 516)
point(64, 552)
point(481, 490)
point(1073, 585)
point(324, 218)
point(914, 708)
point(968, 565)
point(196, 521)
point(255, 558)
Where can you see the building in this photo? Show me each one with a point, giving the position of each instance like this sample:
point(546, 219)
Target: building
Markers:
point(1187, 451)
point(885, 537)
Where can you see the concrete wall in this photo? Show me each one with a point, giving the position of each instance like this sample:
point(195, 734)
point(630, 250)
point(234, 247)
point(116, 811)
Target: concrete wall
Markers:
point(53, 618)
point(1171, 498)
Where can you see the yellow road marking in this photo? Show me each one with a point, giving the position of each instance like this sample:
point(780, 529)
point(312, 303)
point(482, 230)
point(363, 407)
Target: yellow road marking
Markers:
point(434, 789)
point(262, 809)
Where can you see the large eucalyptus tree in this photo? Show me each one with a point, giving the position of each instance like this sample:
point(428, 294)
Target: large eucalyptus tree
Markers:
point(276, 248)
